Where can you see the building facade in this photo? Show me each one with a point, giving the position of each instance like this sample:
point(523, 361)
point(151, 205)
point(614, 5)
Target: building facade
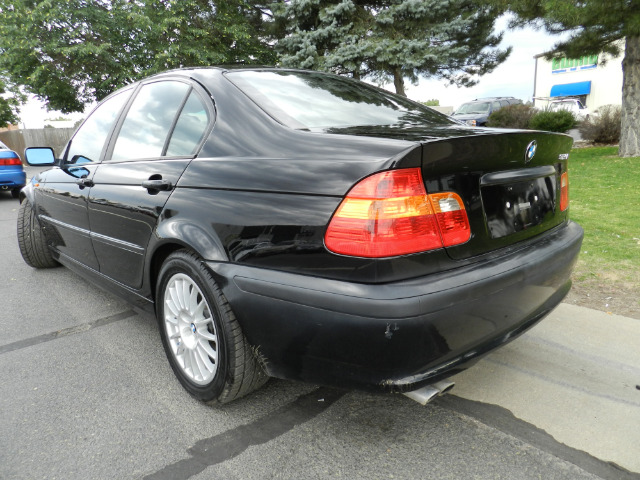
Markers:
point(594, 82)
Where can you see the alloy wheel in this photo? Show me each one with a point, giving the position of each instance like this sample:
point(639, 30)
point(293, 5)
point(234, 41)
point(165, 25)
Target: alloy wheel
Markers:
point(190, 328)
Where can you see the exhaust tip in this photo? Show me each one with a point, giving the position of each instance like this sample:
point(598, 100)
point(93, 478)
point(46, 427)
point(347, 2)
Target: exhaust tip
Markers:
point(427, 393)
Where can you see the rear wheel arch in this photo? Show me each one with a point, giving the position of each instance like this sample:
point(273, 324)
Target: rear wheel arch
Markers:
point(157, 260)
point(190, 234)
point(176, 234)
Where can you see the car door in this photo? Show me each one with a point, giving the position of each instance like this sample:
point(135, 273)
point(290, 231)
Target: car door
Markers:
point(155, 141)
point(61, 193)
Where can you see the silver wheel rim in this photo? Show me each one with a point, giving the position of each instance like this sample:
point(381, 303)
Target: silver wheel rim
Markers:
point(191, 333)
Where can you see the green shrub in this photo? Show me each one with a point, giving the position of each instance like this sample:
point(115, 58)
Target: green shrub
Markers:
point(512, 116)
point(560, 121)
point(603, 127)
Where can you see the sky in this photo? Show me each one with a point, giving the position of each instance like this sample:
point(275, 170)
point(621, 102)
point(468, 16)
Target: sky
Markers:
point(513, 78)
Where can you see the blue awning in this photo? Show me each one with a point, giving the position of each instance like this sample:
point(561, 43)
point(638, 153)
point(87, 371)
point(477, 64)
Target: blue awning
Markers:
point(571, 89)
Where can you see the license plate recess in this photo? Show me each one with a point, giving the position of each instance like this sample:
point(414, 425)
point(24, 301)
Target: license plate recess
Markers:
point(517, 206)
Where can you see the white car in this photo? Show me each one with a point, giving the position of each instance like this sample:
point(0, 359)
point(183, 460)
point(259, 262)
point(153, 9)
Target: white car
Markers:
point(572, 105)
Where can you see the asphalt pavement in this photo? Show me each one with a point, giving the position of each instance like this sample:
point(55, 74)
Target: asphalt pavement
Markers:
point(86, 393)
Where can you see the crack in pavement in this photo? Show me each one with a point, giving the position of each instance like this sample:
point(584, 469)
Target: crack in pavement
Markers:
point(65, 332)
point(230, 444)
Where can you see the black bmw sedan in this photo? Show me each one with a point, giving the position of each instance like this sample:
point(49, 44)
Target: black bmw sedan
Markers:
point(307, 226)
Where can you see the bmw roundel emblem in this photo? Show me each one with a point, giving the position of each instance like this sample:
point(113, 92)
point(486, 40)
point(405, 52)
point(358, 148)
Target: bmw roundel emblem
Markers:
point(530, 152)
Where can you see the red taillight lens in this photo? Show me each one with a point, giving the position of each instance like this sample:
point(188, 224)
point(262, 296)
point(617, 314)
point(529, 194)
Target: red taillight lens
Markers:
point(564, 191)
point(9, 158)
point(390, 214)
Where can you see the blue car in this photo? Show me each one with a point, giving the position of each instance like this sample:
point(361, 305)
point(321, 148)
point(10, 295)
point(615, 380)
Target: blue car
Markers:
point(12, 176)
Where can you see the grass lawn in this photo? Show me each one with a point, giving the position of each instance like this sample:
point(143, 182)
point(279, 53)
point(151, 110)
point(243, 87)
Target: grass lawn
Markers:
point(604, 192)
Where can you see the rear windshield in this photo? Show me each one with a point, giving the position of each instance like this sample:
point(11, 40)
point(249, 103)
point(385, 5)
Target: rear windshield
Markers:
point(317, 101)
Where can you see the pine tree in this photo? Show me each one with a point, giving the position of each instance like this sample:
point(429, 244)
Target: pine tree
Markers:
point(594, 27)
point(391, 40)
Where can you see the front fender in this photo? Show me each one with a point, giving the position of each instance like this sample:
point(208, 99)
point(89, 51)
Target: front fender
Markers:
point(28, 193)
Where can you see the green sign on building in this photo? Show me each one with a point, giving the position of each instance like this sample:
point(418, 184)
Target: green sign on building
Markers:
point(564, 65)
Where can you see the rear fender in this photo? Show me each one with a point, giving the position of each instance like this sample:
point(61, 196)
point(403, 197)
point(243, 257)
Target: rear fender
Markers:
point(190, 235)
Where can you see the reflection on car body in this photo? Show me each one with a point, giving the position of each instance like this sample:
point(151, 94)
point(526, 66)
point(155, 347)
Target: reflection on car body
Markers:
point(477, 112)
point(307, 226)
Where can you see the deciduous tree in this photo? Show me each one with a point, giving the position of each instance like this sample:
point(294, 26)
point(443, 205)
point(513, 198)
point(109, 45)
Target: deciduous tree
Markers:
point(74, 52)
point(10, 99)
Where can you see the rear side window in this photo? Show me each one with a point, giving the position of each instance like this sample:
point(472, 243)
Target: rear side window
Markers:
point(86, 145)
point(145, 129)
point(190, 127)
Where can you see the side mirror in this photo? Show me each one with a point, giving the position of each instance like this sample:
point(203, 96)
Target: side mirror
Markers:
point(40, 156)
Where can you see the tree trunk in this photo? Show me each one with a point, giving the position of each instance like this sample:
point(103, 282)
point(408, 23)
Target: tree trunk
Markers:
point(398, 82)
point(630, 133)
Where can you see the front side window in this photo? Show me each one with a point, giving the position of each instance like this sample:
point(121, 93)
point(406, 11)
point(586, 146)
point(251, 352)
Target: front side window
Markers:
point(86, 145)
point(145, 129)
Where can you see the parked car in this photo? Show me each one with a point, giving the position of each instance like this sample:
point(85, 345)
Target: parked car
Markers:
point(306, 226)
point(572, 105)
point(476, 112)
point(12, 175)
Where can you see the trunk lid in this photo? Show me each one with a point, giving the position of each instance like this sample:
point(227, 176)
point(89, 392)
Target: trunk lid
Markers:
point(509, 181)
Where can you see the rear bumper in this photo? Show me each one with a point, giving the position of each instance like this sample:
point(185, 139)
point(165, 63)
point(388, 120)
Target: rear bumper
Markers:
point(12, 178)
point(402, 335)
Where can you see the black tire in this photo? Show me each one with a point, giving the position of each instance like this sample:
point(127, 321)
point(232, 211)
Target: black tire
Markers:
point(188, 333)
point(31, 239)
point(15, 193)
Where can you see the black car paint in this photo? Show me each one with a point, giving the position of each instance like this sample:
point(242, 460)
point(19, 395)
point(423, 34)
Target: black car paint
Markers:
point(415, 331)
point(305, 309)
point(62, 198)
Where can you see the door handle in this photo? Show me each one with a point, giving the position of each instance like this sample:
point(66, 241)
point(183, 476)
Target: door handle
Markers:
point(158, 185)
point(85, 182)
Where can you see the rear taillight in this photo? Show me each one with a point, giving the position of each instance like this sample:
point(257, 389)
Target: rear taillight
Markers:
point(9, 158)
point(390, 214)
point(564, 191)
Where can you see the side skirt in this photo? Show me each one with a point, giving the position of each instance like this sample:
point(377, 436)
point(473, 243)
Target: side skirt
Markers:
point(134, 297)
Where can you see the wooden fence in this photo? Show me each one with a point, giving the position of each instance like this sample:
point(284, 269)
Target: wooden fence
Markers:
point(55, 138)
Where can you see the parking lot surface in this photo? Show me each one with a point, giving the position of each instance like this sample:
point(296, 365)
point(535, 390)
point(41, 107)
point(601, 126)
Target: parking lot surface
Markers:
point(86, 392)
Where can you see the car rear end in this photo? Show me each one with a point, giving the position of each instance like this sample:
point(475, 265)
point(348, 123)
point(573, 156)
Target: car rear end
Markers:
point(388, 254)
point(474, 246)
point(12, 175)
point(514, 185)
